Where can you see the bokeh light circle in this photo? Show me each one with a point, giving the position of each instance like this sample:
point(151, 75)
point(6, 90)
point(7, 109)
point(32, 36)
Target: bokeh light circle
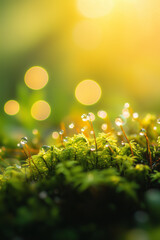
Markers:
point(94, 8)
point(55, 135)
point(88, 92)
point(40, 110)
point(87, 34)
point(11, 107)
point(36, 78)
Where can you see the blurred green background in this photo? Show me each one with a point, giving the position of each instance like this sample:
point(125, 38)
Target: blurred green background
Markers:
point(113, 42)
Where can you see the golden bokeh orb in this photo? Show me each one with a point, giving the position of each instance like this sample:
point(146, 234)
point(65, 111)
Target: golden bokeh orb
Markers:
point(36, 78)
point(40, 110)
point(95, 8)
point(104, 126)
point(88, 92)
point(11, 107)
point(102, 114)
point(55, 135)
point(92, 116)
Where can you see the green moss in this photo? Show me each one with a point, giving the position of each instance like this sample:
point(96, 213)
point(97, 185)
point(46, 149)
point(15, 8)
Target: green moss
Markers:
point(71, 191)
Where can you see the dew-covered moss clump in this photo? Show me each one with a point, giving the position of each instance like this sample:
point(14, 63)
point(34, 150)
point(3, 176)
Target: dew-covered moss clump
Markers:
point(83, 188)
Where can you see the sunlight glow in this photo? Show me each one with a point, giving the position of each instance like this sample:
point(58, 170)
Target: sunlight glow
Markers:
point(95, 8)
point(36, 78)
point(11, 107)
point(87, 34)
point(40, 110)
point(88, 92)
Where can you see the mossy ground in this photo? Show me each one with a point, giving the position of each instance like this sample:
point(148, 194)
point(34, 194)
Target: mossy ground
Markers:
point(76, 191)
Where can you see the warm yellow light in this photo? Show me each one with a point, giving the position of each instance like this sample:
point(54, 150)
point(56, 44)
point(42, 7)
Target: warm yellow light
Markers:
point(95, 8)
point(40, 110)
point(36, 78)
point(55, 135)
point(88, 92)
point(35, 131)
point(104, 126)
point(87, 34)
point(11, 107)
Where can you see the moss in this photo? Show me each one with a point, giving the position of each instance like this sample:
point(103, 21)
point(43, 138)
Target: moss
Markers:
point(71, 191)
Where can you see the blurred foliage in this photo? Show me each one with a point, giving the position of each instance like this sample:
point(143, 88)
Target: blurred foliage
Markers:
point(125, 62)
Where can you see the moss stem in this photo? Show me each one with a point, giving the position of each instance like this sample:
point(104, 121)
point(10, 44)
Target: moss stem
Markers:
point(127, 139)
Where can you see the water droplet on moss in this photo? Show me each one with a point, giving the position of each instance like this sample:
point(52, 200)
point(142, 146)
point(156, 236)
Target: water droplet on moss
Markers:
point(85, 117)
point(18, 166)
point(119, 121)
point(82, 129)
point(158, 120)
point(45, 148)
point(142, 132)
point(107, 145)
point(65, 139)
point(93, 148)
point(24, 140)
point(135, 115)
point(19, 145)
point(126, 105)
point(71, 125)
point(61, 132)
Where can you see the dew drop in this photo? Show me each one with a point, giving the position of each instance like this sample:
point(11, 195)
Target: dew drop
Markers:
point(126, 113)
point(71, 125)
point(119, 133)
point(91, 116)
point(19, 145)
point(135, 115)
point(24, 140)
point(102, 114)
point(85, 117)
point(65, 139)
point(120, 120)
point(93, 148)
point(107, 145)
point(142, 132)
point(126, 105)
point(158, 120)
point(18, 166)
point(45, 148)
point(61, 132)
point(82, 129)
